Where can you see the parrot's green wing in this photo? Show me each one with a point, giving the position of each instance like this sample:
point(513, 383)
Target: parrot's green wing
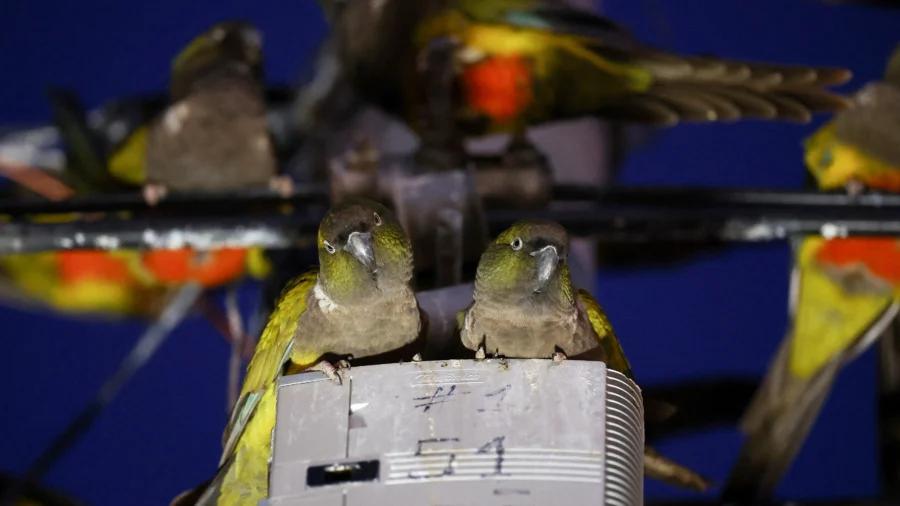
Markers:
point(271, 354)
point(614, 353)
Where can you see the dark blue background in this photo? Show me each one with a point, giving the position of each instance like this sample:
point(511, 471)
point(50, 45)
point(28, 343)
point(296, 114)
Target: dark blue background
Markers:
point(721, 314)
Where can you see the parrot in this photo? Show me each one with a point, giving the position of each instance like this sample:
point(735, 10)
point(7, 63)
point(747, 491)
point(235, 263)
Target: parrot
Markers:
point(525, 306)
point(111, 283)
point(519, 63)
point(213, 137)
point(844, 291)
point(358, 303)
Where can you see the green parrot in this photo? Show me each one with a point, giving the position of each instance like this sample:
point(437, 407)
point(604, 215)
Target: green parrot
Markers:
point(519, 63)
point(845, 291)
point(359, 303)
point(526, 307)
point(213, 137)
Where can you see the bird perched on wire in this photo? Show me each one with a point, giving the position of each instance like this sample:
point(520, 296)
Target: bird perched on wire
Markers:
point(844, 291)
point(213, 137)
point(358, 303)
point(526, 307)
point(524, 62)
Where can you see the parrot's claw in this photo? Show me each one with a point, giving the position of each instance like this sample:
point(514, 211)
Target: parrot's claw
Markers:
point(523, 157)
point(480, 354)
point(558, 357)
point(329, 370)
point(282, 185)
point(854, 187)
point(417, 358)
point(521, 152)
point(153, 193)
point(342, 365)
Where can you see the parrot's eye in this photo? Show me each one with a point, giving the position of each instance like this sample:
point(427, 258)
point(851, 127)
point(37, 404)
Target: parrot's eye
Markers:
point(377, 220)
point(329, 248)
point(516, 244)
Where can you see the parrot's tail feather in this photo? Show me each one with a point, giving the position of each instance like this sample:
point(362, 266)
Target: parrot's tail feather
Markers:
point(641, 109)
point(206, 493)
point(769, 390)
point(816, 100)
point(656, 411)
point(790, 109)
point(192, 496)
point(661, 468)
point(746, 102)
point(776, 439)
point(875, 332)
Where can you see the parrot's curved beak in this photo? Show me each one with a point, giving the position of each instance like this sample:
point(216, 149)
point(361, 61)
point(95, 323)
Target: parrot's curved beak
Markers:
point(547, 259)
point(359, 245)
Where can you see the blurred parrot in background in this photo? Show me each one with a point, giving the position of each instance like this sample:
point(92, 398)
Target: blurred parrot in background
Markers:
point(526, 307)
point(358, 303)
point(217, 77)
point(525, 62)
point(213, 137)
point(844, 291)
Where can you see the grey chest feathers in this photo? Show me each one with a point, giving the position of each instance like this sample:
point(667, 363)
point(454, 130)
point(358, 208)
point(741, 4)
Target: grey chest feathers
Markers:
point(518, 333)
point(369, 328)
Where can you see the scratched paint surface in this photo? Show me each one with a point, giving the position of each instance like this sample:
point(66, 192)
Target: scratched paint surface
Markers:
point(472, 431)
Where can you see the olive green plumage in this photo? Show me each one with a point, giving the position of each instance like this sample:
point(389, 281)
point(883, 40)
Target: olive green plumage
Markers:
point(358, 303)
point(524, 306)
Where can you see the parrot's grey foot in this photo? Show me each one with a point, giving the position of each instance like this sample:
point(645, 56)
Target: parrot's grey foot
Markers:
point(153, 193)
point(502, 362)
point(854, 187)
point(282, 185)
point(522, 153)
point(558, 357)
point(417, 358)
point(329, 370)
point(439, 159)
point(342, 365)
point(480, 354)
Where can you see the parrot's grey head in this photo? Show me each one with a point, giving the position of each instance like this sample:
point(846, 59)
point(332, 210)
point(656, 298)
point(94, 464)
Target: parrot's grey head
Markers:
point(363, 248)
point(527, 261)
point(233, 45)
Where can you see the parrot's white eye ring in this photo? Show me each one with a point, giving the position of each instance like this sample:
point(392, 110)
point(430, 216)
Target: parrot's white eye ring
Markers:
point(516, 244)
point(377, 220)
point(328, 247)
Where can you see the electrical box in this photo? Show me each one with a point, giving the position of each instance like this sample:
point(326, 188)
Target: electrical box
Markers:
point(459, 433)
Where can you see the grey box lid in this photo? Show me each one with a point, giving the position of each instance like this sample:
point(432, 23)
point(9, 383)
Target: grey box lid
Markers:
point(455, 433)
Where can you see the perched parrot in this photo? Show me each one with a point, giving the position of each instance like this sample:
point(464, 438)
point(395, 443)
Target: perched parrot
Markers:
point(526, 307)
point(844, 291)
point(213, 137)
point(117, 283)
point(523, 62)
point(358, 303)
